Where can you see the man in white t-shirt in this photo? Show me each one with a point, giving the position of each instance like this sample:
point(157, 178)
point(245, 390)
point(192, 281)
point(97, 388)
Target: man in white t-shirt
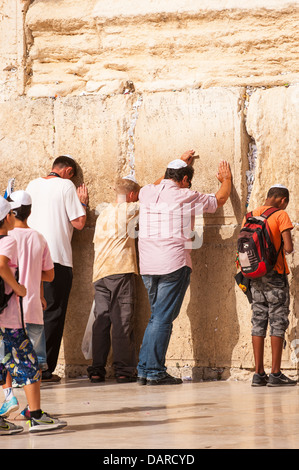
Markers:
point(57, 208)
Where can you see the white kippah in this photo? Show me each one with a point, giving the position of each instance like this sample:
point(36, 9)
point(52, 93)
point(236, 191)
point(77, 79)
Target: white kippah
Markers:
point(130, 177)
point(177, 164)
point(278, 186)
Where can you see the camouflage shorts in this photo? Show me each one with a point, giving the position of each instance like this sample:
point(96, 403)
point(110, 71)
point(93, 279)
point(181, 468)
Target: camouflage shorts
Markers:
point(270, 305)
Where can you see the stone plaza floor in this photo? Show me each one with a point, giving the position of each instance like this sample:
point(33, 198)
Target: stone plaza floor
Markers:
point(203, 415)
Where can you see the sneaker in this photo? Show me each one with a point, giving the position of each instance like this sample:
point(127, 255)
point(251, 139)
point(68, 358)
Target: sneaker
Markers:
point(141, 380)
point(167, 380)
point(7, 428)
point(25, 412)
point(45, 423)
point(280, 381)
point(9, 406)
point(48, 377)
point(259, 380)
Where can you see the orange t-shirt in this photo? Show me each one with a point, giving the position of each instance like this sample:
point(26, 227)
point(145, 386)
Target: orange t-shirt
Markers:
point(278, 223)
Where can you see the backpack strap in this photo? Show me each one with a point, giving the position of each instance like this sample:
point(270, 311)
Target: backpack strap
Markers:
point(8, 296)
point(249, 214)
point(266, 214)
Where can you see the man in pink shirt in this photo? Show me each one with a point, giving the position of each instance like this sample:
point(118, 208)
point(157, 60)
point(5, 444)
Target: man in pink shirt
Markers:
point(168, 211)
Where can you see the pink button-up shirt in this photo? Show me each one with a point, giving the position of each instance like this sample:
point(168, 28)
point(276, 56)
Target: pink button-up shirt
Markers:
point(166, 220)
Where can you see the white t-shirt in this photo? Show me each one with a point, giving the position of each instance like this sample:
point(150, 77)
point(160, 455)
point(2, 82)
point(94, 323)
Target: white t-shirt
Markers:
point(33, 258)
point(11, 315)
point(54, 204)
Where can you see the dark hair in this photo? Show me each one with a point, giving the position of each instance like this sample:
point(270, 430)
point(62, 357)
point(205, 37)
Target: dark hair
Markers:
point(3, 220)
point(178, 175)
point(22, 213)
point(278, 193)
point(64, 161)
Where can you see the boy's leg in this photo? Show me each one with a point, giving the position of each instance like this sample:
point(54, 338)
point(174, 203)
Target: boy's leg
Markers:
point(122, 288)
point(258, 351)
point(279, 299)
point(277, 347)
point(259, 322)
point(32, 392)
point(21, 359)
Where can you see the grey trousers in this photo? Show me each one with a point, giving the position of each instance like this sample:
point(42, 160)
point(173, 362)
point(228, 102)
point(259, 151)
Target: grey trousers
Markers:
point(114, 311)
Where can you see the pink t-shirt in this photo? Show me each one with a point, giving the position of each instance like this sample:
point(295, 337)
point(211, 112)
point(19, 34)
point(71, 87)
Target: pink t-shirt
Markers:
point(33, 258)
point(11, 315)
point(166, 220)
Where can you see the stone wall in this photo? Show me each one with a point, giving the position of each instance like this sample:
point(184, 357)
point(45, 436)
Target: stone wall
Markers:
point(131, 85)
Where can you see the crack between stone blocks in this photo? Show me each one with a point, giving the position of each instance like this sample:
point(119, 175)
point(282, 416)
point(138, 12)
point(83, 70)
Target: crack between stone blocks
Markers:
point(252, 153)
point(130, 135)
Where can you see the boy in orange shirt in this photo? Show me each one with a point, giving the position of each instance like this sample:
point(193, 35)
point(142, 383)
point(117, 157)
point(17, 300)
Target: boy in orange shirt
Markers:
point(270, 294)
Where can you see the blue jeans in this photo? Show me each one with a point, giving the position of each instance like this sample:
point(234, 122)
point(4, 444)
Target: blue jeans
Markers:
point(166, 294)
point(37, 337)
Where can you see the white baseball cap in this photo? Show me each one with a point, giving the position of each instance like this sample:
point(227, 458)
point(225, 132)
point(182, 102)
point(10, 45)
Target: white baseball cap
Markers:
point(21, 197)
point(177, 164)
point(6, 207)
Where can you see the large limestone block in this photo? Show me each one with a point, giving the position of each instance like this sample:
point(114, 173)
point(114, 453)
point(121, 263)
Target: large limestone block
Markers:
point(94, 130)
point(12, 47)
point(96, 46)
point(26, 139)
point(210, 122)
point(272, 121)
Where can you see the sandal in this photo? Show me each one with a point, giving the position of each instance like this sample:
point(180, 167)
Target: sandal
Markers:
point(123, 379)
point(96, 378)
point(94, 375)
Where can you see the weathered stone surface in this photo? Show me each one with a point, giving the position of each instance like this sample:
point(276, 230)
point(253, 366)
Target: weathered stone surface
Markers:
point(272, 120)
point(26, 139)
point(159, 45)
point(209, 121)
point(128, 86)
point(12, 47)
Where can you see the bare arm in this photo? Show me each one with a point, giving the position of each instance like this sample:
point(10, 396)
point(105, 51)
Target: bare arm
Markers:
point(79, 223)
point(287, 241)
point(9, 278)
point(48, 276)
point(225, 177)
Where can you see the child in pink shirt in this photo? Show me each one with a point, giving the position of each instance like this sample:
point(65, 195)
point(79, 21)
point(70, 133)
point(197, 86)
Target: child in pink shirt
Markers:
point(27, 249)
